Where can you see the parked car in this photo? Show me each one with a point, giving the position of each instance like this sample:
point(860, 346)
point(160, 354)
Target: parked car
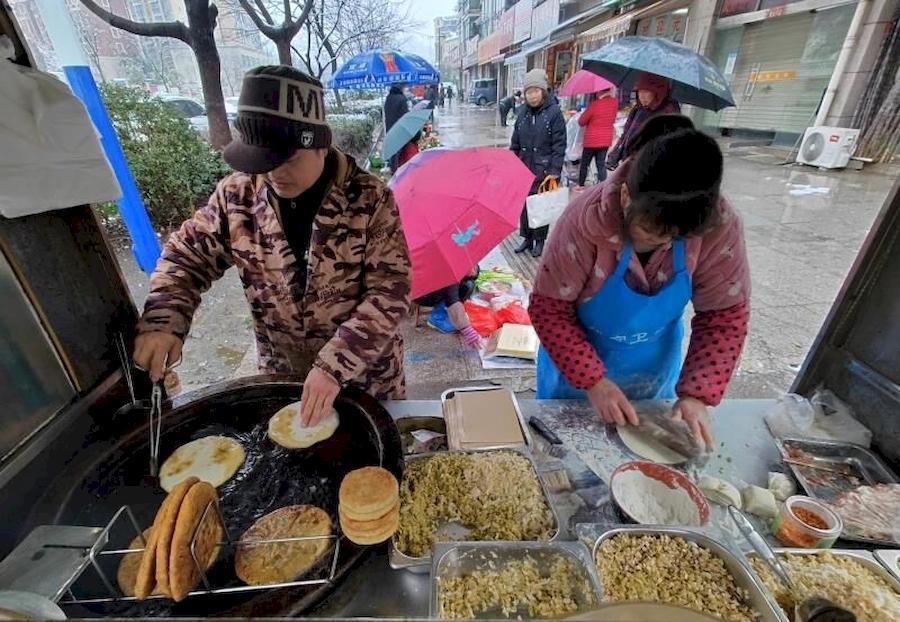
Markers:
point(190, 109)
point(484, 91)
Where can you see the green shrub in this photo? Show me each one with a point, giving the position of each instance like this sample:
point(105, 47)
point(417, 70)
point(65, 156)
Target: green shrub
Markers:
point(175, 168)
point(353, 133)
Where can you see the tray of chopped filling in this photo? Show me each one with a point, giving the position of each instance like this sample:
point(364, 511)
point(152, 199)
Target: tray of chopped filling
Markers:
point(853, 580)
point(492, 580)
point(680, 567)
point(458, 496)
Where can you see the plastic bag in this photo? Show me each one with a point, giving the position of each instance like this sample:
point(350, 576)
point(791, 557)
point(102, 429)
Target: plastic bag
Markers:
point(513, 313)
point(824, 417)
point(545, 207)
point(481, 317)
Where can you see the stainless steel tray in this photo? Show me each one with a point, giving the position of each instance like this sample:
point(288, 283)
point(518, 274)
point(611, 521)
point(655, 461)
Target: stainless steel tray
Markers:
point(830, 454)
point(890, 559)
point(453, 559)
point(399, 560)
point(744, 577)
point(866, 558)
point(526, 434)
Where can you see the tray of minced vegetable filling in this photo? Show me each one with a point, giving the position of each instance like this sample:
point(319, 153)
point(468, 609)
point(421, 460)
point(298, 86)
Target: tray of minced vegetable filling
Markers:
point(679, 567)
point(457, 496)
point(853, 580)
point(495, 580)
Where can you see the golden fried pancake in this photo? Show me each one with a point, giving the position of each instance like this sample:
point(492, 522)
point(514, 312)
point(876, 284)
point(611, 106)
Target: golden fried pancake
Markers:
point(285, 561)
point(163, 523)
point(183, 572)
point(130, 562)
point(368, 493)
point(213, 459)
point(163, 528)
point(286, 430)
point(373, 531)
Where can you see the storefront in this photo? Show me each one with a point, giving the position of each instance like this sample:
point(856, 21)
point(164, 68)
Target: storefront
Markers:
point(778, 60)
point(665, 18)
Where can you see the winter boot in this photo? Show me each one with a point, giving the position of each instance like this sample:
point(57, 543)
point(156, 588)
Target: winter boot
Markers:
point(524, 246)
point(538, 249)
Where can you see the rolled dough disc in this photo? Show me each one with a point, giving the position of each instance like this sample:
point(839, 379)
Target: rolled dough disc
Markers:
point(285, 428)
point(213, 459)
point(648, 447)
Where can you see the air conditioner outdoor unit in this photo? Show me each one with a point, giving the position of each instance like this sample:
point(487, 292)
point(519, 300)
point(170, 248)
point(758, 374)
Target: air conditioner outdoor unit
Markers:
point(827, 147)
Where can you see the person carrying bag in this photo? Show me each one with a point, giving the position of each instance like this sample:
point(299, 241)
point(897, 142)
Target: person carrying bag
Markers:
point(545, 207)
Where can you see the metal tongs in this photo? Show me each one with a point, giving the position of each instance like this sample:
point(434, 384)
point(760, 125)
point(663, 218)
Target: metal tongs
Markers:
point(815, 609)
point(156, 399)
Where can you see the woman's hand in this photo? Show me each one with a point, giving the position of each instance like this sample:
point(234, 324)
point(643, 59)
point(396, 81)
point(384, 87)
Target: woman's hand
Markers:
point(611, 404)
point(696, 414)
point(156, 350)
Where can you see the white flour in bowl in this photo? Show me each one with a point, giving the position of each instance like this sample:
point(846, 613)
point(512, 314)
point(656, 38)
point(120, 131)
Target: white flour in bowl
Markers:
point(651, 502)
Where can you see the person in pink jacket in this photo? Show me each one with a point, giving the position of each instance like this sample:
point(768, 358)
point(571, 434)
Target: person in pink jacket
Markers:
point(597, 120)
point(624, 261)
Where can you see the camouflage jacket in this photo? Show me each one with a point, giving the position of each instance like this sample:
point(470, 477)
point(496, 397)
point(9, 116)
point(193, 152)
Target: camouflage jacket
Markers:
point(346, 320)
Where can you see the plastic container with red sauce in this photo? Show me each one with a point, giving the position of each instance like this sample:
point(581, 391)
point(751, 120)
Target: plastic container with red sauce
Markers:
point(805, 523)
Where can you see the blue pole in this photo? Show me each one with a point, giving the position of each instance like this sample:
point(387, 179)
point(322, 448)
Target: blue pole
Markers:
point(67, 45)
point(145, 246)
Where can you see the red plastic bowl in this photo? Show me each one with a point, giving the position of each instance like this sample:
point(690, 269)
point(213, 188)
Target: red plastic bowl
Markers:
point(668, 476)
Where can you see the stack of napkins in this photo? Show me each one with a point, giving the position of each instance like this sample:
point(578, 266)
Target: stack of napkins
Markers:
point(482, 418)
point(513, 340)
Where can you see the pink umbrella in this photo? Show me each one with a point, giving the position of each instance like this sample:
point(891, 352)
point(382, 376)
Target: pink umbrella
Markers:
point(457, 205)
point(584, 82)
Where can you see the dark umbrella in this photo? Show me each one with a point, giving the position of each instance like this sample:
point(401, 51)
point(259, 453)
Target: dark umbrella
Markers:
point(695, 79)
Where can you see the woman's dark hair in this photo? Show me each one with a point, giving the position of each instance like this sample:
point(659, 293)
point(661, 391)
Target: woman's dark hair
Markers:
point(655, 127)
point(674, 183)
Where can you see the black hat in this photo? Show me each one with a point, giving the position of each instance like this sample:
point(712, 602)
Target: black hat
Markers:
point(280, 110)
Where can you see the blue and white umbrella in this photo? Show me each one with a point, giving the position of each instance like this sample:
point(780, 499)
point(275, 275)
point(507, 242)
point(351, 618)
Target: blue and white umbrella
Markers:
point(376, 69)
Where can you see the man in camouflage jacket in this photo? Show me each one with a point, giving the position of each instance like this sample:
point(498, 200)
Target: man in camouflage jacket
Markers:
point(332, 313)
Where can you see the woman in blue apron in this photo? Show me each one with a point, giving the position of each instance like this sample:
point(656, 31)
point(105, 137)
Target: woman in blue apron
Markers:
point(620, 269)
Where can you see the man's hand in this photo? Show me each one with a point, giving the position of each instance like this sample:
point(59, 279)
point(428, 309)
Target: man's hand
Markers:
point(696, 414)
point(611, 404)
point(154, 351)
point(319, 392)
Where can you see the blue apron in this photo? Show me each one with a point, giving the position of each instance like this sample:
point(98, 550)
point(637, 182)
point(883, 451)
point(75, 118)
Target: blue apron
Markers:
point(637, 336)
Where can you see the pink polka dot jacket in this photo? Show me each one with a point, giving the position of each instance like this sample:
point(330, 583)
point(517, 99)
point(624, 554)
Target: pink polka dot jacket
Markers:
point(584, 248)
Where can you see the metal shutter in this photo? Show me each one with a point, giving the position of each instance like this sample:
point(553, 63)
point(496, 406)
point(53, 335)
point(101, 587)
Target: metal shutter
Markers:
point(792, 57)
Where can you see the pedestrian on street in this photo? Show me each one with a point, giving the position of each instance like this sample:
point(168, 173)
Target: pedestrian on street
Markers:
point(448, 313)
point(505, 105)
point(622, 265)
point(539, 139)
point(654, 97)
point(318, 245)
point(409, 151)
point(431, 95)
point(395, 106)
point(598, 120)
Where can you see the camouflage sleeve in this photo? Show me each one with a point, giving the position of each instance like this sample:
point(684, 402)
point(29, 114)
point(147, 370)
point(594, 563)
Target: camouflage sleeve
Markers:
point(368, 333)
point(192, 258)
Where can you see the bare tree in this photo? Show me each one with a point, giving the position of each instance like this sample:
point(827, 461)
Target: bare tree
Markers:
point(293, 16)
point(87, 36)
point(199, 34)
point(155, 63)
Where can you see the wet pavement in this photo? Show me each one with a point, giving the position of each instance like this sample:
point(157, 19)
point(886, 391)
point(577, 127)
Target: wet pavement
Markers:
point(803, 226)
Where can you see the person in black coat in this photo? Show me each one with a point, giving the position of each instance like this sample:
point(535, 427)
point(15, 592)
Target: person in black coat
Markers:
point(539, 139)
point(395, 106)
point(506, 104)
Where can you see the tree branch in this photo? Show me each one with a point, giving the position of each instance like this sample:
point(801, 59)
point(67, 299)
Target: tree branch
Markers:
point(175, 30)
point(267, 29)
point(264, 11)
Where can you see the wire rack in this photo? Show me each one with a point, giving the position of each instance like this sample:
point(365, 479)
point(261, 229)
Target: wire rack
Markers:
point(97, 552)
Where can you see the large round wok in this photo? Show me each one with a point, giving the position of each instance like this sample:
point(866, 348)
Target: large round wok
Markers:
point(91, 489)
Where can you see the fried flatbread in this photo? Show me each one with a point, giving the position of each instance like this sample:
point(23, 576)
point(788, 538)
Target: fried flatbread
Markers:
point(213, 459)
point(368, 493)
point(372, 531)
point(163, 523)
point(286, 430)
point(284, 561)
point(184, 575)
point(130, 562)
